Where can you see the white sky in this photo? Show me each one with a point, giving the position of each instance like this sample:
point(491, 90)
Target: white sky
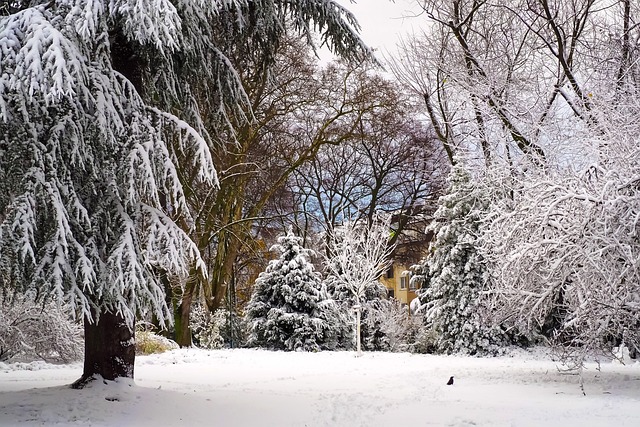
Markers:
point(383, 21)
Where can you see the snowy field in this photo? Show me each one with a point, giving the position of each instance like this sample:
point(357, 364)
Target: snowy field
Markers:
point(259, 388)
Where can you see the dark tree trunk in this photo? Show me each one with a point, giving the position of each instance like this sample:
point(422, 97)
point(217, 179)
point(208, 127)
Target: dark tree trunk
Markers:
point(181, 316)
point(182, 312)
point(109, 349)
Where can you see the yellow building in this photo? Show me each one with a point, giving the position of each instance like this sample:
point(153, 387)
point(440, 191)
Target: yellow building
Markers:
point(397, 280)
point(411, 247)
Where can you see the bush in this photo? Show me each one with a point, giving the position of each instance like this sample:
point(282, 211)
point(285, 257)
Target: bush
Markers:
point(398, 329)
point(30, 330)
point(207, 327)
point(217, 330)
point(148, 342)
point(424, 339)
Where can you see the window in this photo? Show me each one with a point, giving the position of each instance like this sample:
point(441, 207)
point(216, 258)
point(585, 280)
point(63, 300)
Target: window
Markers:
point(403, 282)
point(390, 272)
point(412, 284)
point(391, 293)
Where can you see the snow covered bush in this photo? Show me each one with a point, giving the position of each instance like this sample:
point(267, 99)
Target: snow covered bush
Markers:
point(218, 329)
point(451, 302)
point(388, 326)
point(567, 254)
point(30, 330)
point(206, 326)
point(374, 319)
point(286, 308)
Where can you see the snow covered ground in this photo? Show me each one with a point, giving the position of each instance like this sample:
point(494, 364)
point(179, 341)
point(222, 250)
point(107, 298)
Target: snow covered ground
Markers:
point(258, 388)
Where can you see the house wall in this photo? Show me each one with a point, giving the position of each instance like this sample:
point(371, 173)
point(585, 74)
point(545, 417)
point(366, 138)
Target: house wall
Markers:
point(393, 283)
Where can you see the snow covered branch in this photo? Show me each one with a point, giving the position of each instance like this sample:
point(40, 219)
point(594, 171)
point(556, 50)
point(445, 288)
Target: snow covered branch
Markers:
point(359, 255)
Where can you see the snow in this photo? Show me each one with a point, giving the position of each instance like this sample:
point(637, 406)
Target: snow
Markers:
point(261, 388)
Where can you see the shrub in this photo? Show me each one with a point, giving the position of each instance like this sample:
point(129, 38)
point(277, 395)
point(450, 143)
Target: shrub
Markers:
point(207, 327)
point(30, 330)
point(148, 342)
point(398, 329)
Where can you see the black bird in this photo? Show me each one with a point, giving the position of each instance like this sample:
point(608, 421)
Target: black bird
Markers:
point(450, 382)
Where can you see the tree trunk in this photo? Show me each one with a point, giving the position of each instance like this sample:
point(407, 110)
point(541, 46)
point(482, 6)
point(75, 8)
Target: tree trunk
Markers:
point(358, 330)
point(109, 349)
point(182, 312)
point(181, 316)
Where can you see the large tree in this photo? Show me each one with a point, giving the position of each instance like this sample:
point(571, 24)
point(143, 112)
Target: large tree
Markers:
point(105, 108)
point(396, 164)
point(455, 271)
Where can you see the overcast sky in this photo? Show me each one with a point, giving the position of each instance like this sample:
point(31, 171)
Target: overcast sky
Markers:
point(383, 21)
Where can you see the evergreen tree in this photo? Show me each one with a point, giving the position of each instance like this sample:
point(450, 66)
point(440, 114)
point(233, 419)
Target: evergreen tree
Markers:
point(106, 109)
point(451, 301)
point(286, 310)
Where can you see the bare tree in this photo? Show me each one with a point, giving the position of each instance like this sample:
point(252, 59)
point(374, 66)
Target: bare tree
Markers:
point(358, 254)
point(387, 161)
point(518, 78)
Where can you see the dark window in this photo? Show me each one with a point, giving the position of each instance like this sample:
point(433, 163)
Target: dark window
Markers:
point(390, 272)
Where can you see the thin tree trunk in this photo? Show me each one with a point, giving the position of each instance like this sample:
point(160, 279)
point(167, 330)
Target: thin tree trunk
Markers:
point(109, 349)
point(358, 330)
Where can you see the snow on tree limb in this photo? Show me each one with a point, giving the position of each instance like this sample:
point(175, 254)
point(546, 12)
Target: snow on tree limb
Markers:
point(199, 151)
point(38, 60)
point(359, 255)
point(155, 22)
point(160, 233)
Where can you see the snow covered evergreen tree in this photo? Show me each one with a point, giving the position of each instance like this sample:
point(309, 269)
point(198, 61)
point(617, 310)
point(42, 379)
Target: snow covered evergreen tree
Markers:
point(105, 108)
point(286, 310)
point(451, 301)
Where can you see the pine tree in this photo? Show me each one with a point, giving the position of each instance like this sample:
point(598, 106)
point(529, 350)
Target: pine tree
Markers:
point(105, 112)
point(456, 271)
point(286, 310)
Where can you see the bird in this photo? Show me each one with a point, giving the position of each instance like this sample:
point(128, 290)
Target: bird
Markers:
point(450, 382)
